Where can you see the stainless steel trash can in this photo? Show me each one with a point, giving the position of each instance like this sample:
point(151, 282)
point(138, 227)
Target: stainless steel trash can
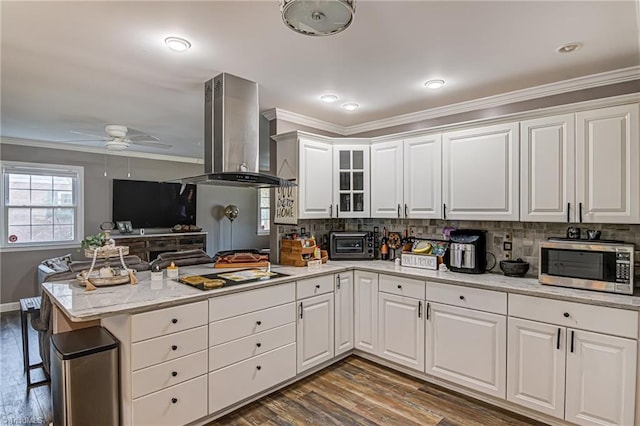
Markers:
point(85, 378)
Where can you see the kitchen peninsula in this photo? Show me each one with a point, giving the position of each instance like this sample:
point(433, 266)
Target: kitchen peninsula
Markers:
point(233, 345)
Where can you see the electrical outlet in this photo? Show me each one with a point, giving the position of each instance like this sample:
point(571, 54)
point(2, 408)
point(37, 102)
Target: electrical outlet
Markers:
point(420, 231)
point(412, 231)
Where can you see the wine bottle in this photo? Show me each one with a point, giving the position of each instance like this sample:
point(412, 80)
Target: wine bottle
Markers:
point(384, 245)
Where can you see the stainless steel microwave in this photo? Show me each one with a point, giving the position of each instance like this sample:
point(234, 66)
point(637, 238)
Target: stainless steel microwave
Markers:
point(587, 264)
point(350, 245)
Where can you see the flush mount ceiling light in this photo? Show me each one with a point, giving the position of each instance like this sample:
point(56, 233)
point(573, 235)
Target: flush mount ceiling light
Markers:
point(177, 44)
point(328, 98)
point(351, 106)
point(318, 17)
point(569, 47)
point(434, 84)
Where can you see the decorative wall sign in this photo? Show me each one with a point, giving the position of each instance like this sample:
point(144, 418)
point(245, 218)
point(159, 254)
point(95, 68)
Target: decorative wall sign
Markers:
point(286, 206)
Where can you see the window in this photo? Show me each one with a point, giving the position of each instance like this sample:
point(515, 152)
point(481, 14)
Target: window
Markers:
point(42, 205)
point(264, 212)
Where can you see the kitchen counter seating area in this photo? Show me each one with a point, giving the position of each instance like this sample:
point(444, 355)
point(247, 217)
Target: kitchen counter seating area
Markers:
point(188, 356)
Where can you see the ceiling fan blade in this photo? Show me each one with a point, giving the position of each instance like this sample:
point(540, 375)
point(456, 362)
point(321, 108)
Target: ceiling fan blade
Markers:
point(87, 134)
point(82, 141)
point(141, 137)
point(90, 142)
point(152, 144)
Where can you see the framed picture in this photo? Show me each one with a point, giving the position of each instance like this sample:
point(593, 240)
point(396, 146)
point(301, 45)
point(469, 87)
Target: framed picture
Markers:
point(125, 227)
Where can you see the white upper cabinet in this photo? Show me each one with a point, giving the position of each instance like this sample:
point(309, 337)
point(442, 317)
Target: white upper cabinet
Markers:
point(387, 179)
point(351, 181)
point(608, 165)
point(481, 173)
point(406, 181)
point(423, 177)
point(315, 193)
point(547, 165)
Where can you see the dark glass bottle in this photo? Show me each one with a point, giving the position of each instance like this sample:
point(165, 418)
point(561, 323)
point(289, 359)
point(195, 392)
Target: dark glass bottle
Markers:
point(384, 246)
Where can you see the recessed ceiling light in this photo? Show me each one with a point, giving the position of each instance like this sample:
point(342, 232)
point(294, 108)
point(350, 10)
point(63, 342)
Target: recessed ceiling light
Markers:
point(177, 44)
point(434, 84)
point(569, 47)
point(328, 98)
point(351, 106)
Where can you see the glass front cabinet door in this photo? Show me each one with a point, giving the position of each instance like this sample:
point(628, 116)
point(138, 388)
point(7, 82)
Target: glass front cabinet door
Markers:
point(351, 181)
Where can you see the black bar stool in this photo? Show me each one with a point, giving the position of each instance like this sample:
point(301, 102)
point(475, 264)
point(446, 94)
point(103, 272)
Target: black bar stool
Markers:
point(29, 306)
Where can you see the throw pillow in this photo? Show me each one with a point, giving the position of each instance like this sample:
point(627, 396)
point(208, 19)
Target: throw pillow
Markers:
point(58, 264)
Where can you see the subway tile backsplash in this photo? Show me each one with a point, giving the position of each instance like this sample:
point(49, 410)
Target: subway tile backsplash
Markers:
point(524, 235)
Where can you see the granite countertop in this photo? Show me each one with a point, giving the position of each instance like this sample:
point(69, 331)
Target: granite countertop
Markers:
point(81, 305)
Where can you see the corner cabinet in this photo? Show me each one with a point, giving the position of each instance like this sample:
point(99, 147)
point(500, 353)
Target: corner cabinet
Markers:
point(343, 312)
point(480, 173)
point(366, 311)
point(407, 179)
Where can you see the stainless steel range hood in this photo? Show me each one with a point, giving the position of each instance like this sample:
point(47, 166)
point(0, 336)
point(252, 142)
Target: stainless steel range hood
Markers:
point(231, 135)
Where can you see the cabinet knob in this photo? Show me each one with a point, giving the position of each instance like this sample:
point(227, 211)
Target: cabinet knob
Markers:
point(258, 322)
point(174, 373)
point(174, 320)
point(317, 285)
point(174, 400)
point(258, 367)
point(566, 315)
point(258, 344)
point(461, 297)
point(174, 347)
point(399, 286)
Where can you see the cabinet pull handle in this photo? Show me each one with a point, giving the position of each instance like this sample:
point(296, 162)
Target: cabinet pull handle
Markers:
point(301, 310)
point(338, 281)
point(572, 336)
point(258, 367)
point(568, 212)
point(174, 320)
point(419, 309)
point(174, 400)
point(337, 210)
point(258, 344)
point(174, 347)
point(558, 339)
point(444, 210)
point(398, 210)
point(428, 308)
point(580, 211)
point(174, 373)
point(330, 210)
point(258, 322)
point(406, 210)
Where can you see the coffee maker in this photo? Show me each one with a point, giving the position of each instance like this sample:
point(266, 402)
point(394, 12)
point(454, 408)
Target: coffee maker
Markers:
point(467, 251)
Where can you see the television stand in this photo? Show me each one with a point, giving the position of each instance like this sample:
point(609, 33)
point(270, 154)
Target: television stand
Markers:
point(147, 247)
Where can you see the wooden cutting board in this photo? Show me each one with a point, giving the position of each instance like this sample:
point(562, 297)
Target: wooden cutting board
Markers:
point(261, 264)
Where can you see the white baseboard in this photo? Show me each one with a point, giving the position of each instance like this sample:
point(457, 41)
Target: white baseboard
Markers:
point(8, 307)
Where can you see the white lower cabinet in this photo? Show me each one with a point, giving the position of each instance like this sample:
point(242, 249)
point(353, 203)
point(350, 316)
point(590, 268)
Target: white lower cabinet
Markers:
point(343, 312)
point(536, 366)
point(601, 379)
point(467, 347)
point(401, 330)
point(366, 311)
point(315, 331)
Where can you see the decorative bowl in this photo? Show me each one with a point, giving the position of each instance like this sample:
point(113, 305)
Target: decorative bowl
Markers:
point(514, 268)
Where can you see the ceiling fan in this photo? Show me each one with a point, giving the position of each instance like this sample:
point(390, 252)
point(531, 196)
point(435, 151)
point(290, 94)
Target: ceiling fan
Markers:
point(120, 137)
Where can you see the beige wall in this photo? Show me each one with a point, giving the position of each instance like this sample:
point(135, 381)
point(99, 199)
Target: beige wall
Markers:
point(18, 270)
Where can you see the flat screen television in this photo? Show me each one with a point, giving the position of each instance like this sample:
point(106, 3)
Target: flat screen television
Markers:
point(154, 204)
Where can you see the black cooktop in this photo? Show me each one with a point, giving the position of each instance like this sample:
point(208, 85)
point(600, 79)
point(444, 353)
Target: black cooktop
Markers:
point(230, 278)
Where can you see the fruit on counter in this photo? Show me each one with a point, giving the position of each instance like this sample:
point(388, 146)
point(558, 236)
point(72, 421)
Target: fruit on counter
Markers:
point(422, 247)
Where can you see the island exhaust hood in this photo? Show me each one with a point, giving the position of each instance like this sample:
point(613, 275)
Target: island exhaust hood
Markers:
point(231, 135)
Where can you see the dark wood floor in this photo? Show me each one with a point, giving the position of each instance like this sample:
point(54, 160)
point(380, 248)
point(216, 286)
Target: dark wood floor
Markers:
point(19, 406)
point(351, 392)
point(358, 392)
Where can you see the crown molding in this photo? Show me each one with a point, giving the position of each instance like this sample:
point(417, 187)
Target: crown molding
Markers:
point(4, 140)
point(269, 114)
point(565, 86)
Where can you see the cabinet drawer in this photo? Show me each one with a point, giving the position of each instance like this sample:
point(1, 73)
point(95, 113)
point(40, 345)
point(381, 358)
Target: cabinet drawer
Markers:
point(468, 297)
point(314, 286)
point(602, 319)
point(402, 286)
point(169, 320)
point(160, 376)
point(249, 301)
point(159, 408)
point(248, 324)
point(161, 349)
point(163, 243)
point(244, 379)
point(241, 349)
